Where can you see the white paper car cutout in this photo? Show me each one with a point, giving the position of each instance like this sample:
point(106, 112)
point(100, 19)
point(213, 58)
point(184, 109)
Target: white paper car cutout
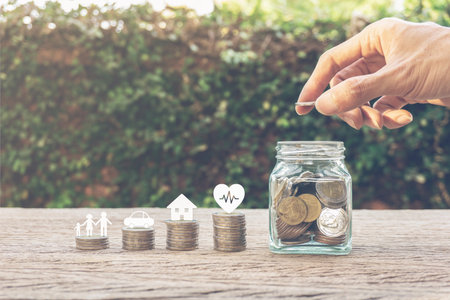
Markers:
point(139, 219)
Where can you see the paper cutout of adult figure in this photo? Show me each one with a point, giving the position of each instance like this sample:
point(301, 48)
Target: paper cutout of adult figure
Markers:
point(89, 224)
point(103, 224)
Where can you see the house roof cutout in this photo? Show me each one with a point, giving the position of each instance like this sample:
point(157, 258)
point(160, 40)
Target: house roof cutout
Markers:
point(181, 202)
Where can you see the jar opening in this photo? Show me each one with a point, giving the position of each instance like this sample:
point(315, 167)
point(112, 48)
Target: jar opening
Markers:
point(315, 150)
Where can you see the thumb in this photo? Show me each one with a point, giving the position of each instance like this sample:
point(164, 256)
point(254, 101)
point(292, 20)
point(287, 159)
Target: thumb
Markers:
point(352, 92)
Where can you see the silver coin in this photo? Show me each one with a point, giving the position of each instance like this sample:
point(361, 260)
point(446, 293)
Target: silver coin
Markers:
point(332, 193)
point(332, 222)
point(308, 103)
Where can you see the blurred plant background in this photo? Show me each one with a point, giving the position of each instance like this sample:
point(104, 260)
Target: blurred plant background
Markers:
point(115, 107)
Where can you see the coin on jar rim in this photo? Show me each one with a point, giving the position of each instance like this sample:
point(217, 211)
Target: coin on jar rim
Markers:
point(332, 222)
point(292, 210)
point(314, 207)
point(332, 193)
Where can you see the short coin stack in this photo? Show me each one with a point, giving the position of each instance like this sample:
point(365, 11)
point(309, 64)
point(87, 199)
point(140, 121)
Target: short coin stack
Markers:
point(182, 235)
point(229, 232)
point(138, 238)
point(94, 242)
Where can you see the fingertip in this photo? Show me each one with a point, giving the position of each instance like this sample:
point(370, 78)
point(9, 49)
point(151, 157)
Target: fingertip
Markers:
point(353, 118)
point(372, 117)
point(326, 105)
point(302, 110)
point(397, 118)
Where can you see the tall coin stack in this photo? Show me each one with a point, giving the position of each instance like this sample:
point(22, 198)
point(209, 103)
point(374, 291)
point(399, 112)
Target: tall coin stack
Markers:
point(138, 238)
point(229, 232)
point(182, 235)
point(91, 242)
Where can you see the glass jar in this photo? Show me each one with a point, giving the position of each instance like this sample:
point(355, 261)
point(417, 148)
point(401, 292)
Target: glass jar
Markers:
point(310, 199)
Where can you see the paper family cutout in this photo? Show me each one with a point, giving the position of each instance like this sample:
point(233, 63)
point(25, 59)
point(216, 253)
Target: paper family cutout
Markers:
point(90, 223)
point(229, 198)
point(181, 209)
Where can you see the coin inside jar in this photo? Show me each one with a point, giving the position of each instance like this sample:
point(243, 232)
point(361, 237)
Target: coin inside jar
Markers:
point(292, 210)
point(314, 207)
point(279, 189)
point(332, 193)
point(332, 222)
point(289, 232)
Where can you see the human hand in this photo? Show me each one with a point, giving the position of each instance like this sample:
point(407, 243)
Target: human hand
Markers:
point(399, 61)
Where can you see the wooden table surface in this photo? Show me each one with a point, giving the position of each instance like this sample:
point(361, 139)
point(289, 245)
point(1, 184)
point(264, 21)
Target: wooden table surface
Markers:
point(396, 254)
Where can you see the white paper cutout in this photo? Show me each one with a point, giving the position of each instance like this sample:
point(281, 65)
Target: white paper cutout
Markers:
point(229, 198)
point(181, 208)
point(103, 224)
point(78, 229)
point(140, 219)
point(89, 224)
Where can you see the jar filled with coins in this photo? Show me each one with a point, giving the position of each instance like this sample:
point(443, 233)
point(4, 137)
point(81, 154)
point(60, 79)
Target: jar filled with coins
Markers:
point(310, 199)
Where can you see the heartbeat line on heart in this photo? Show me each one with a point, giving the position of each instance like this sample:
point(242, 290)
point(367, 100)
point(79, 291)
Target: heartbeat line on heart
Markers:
point(228, 197)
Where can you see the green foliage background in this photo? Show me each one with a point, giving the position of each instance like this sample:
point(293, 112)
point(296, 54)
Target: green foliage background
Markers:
point(160, 104)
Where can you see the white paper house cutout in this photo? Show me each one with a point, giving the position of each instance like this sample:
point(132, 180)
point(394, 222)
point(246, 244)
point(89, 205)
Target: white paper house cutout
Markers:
point(181, 209)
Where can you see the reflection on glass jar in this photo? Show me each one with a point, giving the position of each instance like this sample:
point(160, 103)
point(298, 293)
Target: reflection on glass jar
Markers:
point(310, 199)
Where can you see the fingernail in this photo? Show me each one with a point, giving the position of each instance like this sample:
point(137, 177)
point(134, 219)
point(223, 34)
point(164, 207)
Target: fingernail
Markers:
point(326, 105)
point(298, 113)
point(404, 119)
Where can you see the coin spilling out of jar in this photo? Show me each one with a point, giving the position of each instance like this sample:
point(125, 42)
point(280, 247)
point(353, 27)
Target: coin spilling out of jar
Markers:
point(310, 199)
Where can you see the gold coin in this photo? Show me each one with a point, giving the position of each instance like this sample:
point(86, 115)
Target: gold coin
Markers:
point(314, 207)
point(289, 232)
point(292, 210)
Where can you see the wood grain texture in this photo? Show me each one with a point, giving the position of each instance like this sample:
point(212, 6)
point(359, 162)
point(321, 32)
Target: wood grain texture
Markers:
point(396, 254)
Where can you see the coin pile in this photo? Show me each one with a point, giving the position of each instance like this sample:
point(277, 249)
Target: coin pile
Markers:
point(308, 199)
point(138, 238)
point(182, 235)
point(91, 242)
point(229, 231)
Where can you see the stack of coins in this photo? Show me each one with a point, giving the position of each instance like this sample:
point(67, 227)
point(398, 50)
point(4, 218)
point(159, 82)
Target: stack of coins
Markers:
point(91, 242)
point(182, 235)
point(138, 238)
point(291, 232)
point(229, 232)
point(308, 199)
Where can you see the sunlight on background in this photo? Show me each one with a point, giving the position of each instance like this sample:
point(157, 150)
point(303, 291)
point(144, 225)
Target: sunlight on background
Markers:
point(201, 7)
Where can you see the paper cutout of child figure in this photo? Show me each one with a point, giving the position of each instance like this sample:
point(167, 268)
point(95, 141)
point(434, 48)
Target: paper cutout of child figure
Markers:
point(103, 224)
point(78, 229)
point(89, 224)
